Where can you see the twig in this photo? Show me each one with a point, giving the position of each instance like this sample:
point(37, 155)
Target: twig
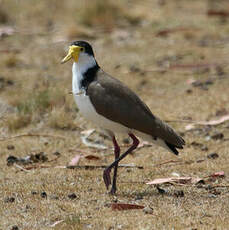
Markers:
point(167, 162)
point(220, 186)
point(32, 135)
point(181, 121)
point(57, 222)
point(100, 166)
point(21, 168)
point(37, 167)
point(132, 182)
point(54, 159)
point(75, 167)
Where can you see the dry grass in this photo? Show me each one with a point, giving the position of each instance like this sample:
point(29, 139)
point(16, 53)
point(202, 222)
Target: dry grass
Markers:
point(106, 14)
point(37, 101)
point(61, 119)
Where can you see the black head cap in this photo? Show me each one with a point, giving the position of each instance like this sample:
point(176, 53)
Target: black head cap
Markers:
point(86, 45)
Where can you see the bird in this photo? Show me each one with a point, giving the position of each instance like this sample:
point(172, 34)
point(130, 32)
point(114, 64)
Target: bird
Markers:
point(112, 106)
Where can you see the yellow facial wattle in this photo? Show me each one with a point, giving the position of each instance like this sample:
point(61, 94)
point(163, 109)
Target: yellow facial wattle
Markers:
point(73, 52)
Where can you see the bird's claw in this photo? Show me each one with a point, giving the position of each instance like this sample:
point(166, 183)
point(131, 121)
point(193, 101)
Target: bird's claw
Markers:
point(113, 190)
point(107, 177)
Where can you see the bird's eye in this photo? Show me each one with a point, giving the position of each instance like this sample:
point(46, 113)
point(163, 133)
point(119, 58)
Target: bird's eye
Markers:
point(81, 49)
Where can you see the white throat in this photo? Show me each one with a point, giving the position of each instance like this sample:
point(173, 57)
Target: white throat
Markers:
point(84, 63)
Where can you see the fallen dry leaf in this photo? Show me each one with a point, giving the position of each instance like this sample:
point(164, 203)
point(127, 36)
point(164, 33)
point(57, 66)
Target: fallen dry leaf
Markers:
point(75, 160)
point(211, 122)
point(218, 174)
point(6, 31)
point(122, 206)
point(55, 223)
point(220, 13)
point(178, 180)
point(92, 157)
point(165, 32)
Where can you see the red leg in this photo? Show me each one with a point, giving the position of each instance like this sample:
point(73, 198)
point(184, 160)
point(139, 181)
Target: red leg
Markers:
point(106, 173)
point(117, 154)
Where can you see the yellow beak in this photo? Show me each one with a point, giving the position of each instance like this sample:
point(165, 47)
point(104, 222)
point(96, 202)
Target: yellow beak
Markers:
point(73, 52)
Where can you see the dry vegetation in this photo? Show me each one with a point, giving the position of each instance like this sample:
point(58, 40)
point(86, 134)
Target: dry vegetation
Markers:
point(172, 53)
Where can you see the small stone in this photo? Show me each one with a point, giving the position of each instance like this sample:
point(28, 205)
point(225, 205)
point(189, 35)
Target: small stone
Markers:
point(9, 200)
point(117, 66)
point(72, 196)
point(15, 227)
point(56, 153)
point(204, 148)
point(41, 157)
point(148, 210)
point(188, 91)
point(161, 190)
point(43, 194)
point(9, 82)
point(212, 155)
point(200, 160)
point(10, 147)
point(27, 207)
point(200, 186)
point(215, 192)
point(119, 226)
point(212, 196)
point(179, 193)
point(139, 197)
point(219, 70)
point(11, 160)
point(221, 112)
point(34, 192)
point(217, 136)
point(134, 69)
point(196, 144)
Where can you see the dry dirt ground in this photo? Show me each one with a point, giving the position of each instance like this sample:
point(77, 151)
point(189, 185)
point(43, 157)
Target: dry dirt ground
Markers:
point(174, 54)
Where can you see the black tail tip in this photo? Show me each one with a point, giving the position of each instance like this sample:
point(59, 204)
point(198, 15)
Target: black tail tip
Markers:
point(173, 148)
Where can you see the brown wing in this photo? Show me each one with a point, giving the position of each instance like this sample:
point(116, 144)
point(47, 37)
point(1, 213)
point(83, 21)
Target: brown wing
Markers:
point(127, 108)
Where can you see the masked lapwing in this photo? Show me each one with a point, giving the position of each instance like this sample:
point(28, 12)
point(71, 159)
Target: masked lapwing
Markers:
point(107, 102)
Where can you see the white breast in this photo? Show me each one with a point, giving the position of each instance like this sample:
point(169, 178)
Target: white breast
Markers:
point(85, 106)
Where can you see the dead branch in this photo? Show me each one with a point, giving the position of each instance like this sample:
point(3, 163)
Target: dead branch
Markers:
point(101, 166)
point(168, 162)
point(32, 135)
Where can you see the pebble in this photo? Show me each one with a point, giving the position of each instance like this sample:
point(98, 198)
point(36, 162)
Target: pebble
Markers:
point(179, 193)
point(43, 194)
point(148, 210)
point(161, 190)
point(9, 200)
point(34, 192)
point(11, 160)
point(139, 197)
point(217, 136)
point(72, 196)
point(212, 196)
point(10, 147)
point(56, 153)
point(212, 155)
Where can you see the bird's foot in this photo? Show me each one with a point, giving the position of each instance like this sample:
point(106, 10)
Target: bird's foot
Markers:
point(113, 190)
point(107, 177)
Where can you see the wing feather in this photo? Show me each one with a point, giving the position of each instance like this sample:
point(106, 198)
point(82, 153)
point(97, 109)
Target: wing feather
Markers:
point(113, 100)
